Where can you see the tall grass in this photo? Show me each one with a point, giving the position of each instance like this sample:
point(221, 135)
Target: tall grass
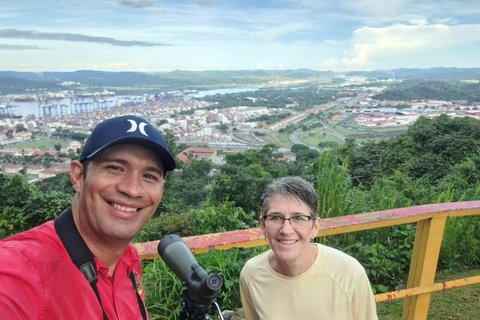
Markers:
point(333, 187)
point(162, 290)
point(461, 244)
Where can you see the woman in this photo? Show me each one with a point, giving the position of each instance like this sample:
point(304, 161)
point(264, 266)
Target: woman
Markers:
point(298, 279)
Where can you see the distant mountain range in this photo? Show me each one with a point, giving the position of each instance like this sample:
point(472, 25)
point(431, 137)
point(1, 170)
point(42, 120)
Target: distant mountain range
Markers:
point(432, 90)
point(440, 74)
point(12, 82)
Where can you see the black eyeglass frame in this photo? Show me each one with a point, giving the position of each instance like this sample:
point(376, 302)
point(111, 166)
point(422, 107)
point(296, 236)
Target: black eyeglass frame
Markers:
point(265, 218)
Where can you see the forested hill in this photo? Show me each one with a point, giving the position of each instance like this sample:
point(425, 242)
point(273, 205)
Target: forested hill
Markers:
point(12, 82)
point(430, 90)
point(433, 74)
point(18, 82)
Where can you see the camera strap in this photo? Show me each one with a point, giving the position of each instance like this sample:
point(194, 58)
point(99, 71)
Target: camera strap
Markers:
point(83, 258)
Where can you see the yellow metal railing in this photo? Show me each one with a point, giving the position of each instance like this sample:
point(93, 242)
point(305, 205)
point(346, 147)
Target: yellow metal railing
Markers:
point(430, 221)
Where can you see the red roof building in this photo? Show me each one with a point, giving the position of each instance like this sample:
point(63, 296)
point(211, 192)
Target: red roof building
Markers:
point(198, 154)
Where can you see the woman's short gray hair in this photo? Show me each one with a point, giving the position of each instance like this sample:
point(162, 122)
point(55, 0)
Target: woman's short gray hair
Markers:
point(291, 186)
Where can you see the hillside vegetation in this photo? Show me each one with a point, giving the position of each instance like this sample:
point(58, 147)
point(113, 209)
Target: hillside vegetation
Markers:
point(435, 161)
point(432, 90)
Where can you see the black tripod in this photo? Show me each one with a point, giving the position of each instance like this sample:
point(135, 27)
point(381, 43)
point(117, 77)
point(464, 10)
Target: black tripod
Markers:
point(194, 311)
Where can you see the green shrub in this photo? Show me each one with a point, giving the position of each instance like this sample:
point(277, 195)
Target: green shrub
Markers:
point(221, 218)
point(386, 263)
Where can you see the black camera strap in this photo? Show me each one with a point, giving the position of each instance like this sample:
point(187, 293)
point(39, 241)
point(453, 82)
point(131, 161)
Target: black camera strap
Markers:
point(83, 258)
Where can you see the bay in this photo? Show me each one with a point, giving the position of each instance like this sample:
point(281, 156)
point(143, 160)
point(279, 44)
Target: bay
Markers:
point(68, 105)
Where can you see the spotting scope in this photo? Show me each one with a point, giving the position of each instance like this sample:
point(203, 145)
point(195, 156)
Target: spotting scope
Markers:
point(202, 288)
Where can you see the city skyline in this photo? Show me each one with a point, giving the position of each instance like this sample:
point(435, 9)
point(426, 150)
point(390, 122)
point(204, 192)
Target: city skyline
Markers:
point(150, 35)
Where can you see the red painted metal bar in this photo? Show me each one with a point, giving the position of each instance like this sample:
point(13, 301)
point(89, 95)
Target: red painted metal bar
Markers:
point(254, 237)
point(218, 241)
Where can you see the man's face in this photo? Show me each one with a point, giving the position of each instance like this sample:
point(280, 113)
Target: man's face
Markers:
point(120, 193)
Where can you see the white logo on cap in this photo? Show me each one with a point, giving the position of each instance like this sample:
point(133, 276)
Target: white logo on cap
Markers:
point(141, 127)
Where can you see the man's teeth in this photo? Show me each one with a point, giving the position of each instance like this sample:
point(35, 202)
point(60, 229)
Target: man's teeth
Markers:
point(288, 242)
point(126, 209)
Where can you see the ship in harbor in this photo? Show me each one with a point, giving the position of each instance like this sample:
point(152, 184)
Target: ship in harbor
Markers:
point(104, 93)
point(25, 99)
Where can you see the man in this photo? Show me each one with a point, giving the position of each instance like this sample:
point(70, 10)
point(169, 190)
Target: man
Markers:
point(83, 265)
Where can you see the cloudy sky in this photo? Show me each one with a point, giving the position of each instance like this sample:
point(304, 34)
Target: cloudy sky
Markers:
point(165, 35)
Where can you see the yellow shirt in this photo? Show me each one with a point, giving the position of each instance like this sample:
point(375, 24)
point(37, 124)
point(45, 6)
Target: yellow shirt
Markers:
point(335, 287)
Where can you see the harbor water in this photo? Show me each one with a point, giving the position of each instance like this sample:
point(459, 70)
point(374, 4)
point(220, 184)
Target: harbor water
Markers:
point(68, 105)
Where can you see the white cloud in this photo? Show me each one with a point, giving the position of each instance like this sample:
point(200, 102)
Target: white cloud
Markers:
point(369, 44)
point(410, 38)
point(213, 34)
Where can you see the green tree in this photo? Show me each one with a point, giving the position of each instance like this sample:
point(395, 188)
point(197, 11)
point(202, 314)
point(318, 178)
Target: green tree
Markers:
point(428, 150)
point(298, 147)
point(14, 195)
point(187, 188)
point(60, 183)
point(307, 155)
point(170, 139)
point(223, 128)
point(239, 185)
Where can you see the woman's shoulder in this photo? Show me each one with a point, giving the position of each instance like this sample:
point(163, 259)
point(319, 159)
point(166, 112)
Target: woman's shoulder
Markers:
point(255, 264)
point(334, 259)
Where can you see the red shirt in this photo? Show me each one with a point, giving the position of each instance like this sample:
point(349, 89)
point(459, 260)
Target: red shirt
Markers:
point(39, 281)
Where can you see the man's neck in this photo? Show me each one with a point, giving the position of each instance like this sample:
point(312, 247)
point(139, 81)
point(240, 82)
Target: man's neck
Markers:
point(107, 255)
point(108, 251)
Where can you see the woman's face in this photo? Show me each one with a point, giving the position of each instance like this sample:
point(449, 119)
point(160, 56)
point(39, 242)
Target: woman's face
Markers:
point(291, 244)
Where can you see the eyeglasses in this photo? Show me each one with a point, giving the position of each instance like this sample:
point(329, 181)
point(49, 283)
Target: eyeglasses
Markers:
point(276, 222)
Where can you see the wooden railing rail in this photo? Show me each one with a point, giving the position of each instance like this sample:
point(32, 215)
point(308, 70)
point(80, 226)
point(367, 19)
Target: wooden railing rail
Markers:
point(430, 221)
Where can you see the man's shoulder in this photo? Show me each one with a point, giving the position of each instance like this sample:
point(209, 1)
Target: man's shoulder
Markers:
point(39, 245)
point(43, 234)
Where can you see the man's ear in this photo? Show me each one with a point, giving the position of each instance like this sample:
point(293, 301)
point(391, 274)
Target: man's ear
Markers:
point(76, 175)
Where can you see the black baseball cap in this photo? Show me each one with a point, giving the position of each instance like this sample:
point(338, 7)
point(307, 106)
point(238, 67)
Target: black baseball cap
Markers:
point(128, 129)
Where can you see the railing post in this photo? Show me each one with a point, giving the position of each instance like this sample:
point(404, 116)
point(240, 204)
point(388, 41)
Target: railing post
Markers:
point(426, 250)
